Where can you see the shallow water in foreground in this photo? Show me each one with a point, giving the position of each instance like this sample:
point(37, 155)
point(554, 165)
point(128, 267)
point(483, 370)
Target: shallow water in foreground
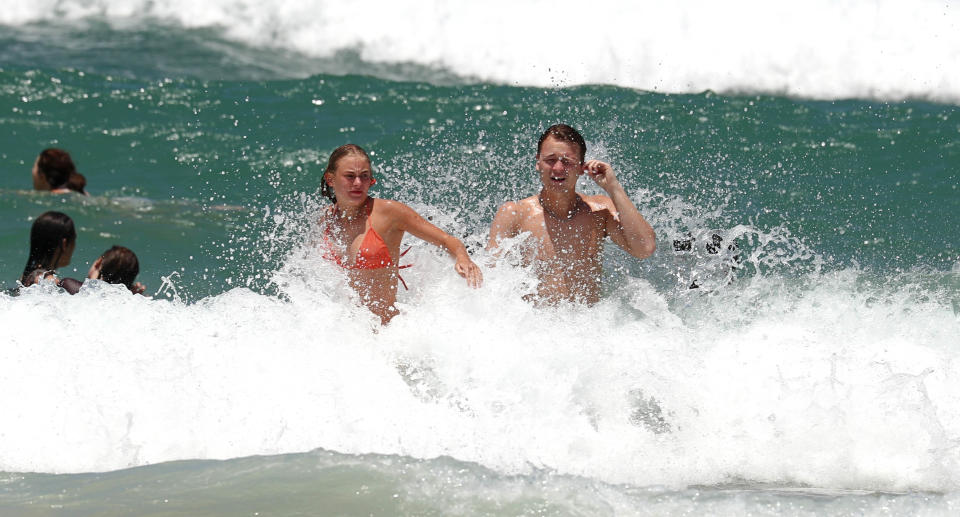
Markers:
point(327, 483)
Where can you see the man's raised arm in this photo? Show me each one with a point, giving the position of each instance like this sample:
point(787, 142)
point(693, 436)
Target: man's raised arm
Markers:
point(628, 228)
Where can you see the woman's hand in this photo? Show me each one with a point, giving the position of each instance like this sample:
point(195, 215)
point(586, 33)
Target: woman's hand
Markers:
point(467, 269)
point(94, 271)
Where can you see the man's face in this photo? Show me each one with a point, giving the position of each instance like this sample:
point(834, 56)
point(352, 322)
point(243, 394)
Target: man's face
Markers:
point(559, 164)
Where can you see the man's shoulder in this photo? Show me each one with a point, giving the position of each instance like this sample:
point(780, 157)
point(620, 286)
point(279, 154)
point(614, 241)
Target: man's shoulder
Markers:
point(599, 203)
point(520, 205)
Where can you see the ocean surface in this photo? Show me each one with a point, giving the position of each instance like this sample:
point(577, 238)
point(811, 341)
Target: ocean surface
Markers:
point(800, 165)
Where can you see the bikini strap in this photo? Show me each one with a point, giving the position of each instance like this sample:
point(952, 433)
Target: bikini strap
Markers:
point(405, 266)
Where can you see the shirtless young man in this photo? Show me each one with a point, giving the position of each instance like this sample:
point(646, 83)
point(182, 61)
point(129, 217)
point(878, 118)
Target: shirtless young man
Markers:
point(568, 228)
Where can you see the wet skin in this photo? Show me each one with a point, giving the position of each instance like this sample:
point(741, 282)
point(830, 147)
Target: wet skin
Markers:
point(567, 229)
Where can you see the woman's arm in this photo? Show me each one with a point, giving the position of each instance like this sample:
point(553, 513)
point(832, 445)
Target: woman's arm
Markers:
point(410, 221)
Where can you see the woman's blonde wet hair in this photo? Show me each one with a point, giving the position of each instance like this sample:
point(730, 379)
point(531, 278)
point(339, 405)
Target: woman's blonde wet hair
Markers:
point(335, 156)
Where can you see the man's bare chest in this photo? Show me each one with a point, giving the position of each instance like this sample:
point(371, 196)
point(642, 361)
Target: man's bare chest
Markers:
point(575, 239)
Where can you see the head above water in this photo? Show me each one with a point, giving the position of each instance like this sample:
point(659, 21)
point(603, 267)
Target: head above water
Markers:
point(119, 265)
point(52, 241)
point(54, 170)
point(564, 133)
point(338, 154)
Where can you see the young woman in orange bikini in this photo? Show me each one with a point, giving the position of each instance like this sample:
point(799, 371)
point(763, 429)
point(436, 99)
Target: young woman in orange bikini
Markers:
point(363, 234)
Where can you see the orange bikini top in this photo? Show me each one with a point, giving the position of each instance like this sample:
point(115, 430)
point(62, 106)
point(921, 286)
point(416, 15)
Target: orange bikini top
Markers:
point(372, 254)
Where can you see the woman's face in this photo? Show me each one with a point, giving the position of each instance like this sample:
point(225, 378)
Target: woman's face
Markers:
point(351, 179)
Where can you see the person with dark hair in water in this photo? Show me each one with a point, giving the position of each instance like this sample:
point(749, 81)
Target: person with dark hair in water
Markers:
point(118, 265)
point(55, 171)
point(362, 234)
point(567, 229)
point(52, 241)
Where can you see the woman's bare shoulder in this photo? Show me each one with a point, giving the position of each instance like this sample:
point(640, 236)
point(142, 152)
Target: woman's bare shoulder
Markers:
point(390, 207)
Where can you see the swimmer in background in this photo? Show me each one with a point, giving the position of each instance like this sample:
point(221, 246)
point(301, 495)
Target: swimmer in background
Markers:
point(363, 234)
point(55, 171)
point(568, 228)
point(53, 239)
point(118, 265)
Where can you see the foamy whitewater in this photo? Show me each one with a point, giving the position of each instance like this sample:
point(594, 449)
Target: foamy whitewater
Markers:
point(825, 382)
point(792, 347)
point(886, 49)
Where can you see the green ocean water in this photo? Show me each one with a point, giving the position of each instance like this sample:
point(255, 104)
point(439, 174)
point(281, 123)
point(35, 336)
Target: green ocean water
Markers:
point(184, 170)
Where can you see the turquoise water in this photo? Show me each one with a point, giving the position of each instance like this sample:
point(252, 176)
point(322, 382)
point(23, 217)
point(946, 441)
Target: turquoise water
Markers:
point(812, 372)
point(198, 163)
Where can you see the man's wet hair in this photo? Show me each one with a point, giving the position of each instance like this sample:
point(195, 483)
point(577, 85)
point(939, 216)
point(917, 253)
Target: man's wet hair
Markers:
point(119, 266)
point(564, 133)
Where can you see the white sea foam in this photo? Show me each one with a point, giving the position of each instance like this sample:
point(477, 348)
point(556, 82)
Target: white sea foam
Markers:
point(886, 49)
point(830, 385)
